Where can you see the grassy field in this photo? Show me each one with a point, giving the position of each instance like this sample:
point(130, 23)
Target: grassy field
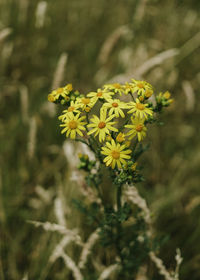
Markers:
point(46, 44)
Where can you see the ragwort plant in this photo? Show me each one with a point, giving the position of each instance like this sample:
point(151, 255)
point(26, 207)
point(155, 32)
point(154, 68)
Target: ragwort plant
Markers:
point(112, 122)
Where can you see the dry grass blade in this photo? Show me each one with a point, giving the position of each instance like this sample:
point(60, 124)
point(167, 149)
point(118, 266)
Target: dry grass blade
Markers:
point(190, 46)
point(60, 205)
point(110, 42)
point(32, 137)
point(146, 66)
point(108, 271)
point(140, 11)
point(86, 251)
point(24, 102)
point(179, 260)
point(59, 72)
point(154, 61)
point(40, 14)
point(131, 194)
point(59, 212)
point(58, 228)
point(190, 96)
point(5, 33)
point(25, 276)
point(141, 275)
point(72, 266)
point(57, 252)
point(161, 268)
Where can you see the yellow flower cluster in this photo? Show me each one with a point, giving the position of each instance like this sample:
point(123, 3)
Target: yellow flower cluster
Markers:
point(109, 117)
point(63, 95)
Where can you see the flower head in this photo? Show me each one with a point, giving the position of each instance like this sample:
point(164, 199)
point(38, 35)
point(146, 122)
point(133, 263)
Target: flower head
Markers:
point(72, 125)
point(141, 87)
point(164, 98)
point(116, 88)
point(56, 94)
point(72, 108)
point(115, 154)
point(120, 137)
point(129, 88)
point(140, 109)
point(137, 128)
point(102, 126)
point(85, 103)
point(99, 94)
point(115, 107)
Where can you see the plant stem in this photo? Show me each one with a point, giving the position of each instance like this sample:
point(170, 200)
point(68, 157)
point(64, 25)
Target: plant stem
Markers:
point(119, 226)
point(119, 194)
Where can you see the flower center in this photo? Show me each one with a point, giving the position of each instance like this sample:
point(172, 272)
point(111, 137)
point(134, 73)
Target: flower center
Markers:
point(115, 154)
point(87, 109)
point(72, 124)
point(116, 85)
point(59, 90)
point(71, 108)
point(101, 124)
point(99, 94)
point(115, 104)
point(139, 127)
point(140, 85)
point(86, 101)
point(140, 106)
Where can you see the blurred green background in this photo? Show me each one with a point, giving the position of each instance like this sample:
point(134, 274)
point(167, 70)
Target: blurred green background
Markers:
point(46, 44)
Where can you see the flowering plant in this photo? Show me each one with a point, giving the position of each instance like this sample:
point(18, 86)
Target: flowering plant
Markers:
point(113, 122)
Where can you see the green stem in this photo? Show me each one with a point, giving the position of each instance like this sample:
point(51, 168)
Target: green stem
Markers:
point(134, 146)
point(119, 226)
point(132, 96)
point(119, 194)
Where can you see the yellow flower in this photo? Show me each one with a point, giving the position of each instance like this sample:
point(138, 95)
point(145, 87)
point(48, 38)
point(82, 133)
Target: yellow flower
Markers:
point(148, 93)
point(120, 137)
point(139, 109)
point(137, 128)
point(62, 92)
point(133, 166)
point(164, 98)
point(72, 108)
point(167, 95)
point(115, 106)
point(115, 154)
point(128, 88)
point(72, 125)
point(102, 125)
point(56, 94)
point(116, 88)
point(85, 103)
point(100, 94)
point(51, 98)
point(141, 86)
point(68, 87)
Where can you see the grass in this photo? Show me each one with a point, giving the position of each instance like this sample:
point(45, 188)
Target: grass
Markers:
point(103, 39)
